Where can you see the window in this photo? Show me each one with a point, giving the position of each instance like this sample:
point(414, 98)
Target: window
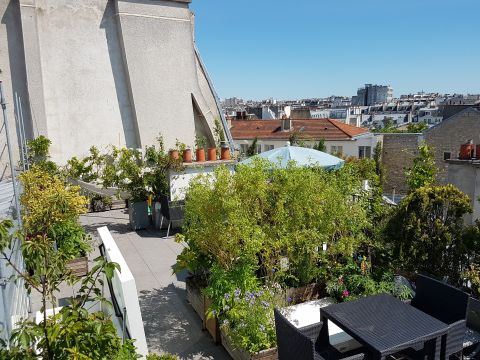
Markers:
point(243, 149)
point(336, 149)
point(447, 155)
point(364, 152)
point(259, 148)
point(267, 147)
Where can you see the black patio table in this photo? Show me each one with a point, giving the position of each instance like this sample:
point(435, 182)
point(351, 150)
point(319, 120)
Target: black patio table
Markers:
point(385, 325)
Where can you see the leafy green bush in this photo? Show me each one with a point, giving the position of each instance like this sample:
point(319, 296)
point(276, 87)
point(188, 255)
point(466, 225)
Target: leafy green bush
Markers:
point(355, 280)
point(71, 239)
point(265, 215)
point(427, 233)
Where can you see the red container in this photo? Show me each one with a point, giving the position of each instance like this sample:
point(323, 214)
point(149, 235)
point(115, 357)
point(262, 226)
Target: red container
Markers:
point(477, 151)
point(225, 154)
point(212, 154)
point(200, 155)
point(187, 155)
point(174, 154)
point(467, 151)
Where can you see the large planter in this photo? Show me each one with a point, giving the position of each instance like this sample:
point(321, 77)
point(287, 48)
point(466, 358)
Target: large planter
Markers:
point(79, 266)
point(195, 298)
point(138, 215)
point(241, 354)
point(200, 304)
point(305, 293)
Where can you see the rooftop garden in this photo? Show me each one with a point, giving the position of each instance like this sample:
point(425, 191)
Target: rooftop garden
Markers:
point(259, 233)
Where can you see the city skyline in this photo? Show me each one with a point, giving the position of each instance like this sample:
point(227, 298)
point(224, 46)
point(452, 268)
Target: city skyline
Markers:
point(257, 50)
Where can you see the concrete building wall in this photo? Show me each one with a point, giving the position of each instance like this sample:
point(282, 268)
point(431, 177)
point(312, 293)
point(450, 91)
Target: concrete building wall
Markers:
point(103, 72)
point(399, 151)
point(447, 136)
point(13, 77)
point(465, 175)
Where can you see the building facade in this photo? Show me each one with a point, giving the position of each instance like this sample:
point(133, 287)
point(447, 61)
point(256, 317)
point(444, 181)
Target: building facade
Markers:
point(103, 72)
point(373, 94)
point(339, 138)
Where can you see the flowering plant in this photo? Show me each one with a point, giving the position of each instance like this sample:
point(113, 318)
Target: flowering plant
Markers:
point(356, 280)
point(247, 318)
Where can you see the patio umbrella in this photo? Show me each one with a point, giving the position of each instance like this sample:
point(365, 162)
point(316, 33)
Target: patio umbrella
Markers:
point(302, 156)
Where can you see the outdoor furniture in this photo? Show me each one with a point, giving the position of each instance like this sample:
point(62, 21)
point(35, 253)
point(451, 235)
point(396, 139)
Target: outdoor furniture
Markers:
point(301, 343)
point(385, 326)
point(171, 210)
point(447, 304)
point(471, 341)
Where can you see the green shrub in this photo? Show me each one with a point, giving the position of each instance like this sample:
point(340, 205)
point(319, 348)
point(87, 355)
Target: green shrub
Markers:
point(71, 239)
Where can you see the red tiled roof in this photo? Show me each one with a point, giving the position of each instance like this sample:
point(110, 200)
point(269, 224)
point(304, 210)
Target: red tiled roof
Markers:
point(326, 129)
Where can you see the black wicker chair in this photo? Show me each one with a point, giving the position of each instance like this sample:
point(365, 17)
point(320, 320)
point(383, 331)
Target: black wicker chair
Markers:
point(171, 210)
point(301, 343)
point(445, 303)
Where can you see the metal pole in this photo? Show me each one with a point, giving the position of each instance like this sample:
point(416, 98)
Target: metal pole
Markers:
point(12, 168)
point(22, 130)
point(124, 325)
point(17, 117)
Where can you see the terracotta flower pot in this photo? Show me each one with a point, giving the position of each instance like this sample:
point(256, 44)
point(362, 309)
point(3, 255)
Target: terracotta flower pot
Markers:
point(225, 154)
point(200, 155)
point(212, 154)
point(187, 155)
point(174, 154)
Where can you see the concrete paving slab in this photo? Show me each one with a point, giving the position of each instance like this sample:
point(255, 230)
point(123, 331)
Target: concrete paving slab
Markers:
point(170, 323)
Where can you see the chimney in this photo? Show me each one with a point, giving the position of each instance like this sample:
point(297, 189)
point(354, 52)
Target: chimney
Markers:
point(286, 124)
point(467, 151)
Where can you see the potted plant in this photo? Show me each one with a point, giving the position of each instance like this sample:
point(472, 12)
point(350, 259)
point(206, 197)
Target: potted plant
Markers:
point(100, 203)
point(212, 154)
point(200, 143)
point(131, 178)
point(57, 220)
point(225, 152)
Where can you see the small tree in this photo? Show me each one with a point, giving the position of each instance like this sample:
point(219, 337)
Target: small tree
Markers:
point(320, 146)
point(72, 333)
point(427, 232)
point(379, 168)
point(424, 171)
point(252, 149)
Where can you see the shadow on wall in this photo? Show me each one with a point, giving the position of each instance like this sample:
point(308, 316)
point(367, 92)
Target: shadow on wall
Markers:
point(16, 55)
point(120, 76)
point(172, 326)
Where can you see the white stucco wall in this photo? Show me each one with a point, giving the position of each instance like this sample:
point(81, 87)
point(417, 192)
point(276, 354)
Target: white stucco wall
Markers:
point(103, 72)
point(86, 97)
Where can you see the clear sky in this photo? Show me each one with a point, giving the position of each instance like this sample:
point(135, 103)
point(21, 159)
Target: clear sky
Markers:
point(258, 49)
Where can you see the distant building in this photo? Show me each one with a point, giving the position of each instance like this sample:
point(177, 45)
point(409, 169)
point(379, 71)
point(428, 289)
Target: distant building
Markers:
point(339, 137)
point(373, 94)
point(399, 149)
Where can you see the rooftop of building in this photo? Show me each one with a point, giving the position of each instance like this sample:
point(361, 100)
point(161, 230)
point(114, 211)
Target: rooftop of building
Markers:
point(326, 129)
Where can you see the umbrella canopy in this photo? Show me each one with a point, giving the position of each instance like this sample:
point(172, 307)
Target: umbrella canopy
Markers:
point(302, 156)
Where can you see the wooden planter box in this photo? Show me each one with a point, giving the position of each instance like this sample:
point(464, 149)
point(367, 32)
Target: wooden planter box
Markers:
point(79, 266)
point(305, 293)
point(200, 304)
point(195, 298)
point(240, 354)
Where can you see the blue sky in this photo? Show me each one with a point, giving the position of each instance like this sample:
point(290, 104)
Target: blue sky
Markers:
point(257, 49)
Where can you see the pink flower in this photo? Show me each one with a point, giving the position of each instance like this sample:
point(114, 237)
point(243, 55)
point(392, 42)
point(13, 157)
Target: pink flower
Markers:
point(345, 293)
